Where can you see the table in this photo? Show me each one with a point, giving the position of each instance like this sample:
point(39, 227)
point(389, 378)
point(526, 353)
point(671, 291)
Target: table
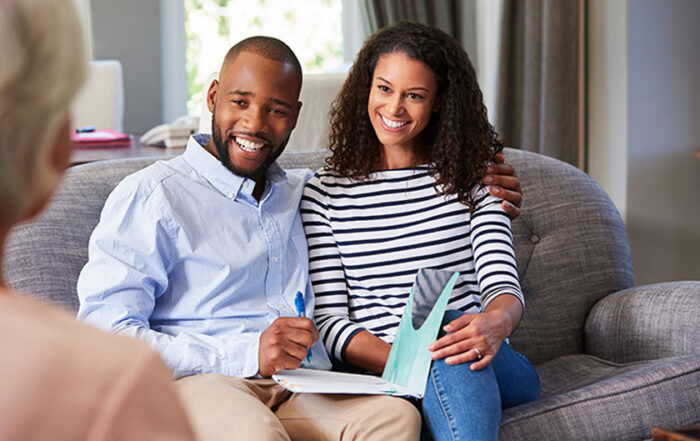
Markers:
point(82, 155)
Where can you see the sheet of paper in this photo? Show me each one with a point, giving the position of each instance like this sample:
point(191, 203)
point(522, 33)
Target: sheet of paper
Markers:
point(327, 382)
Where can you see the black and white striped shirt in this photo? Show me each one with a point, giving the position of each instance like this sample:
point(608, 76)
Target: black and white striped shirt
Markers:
point(368, 239)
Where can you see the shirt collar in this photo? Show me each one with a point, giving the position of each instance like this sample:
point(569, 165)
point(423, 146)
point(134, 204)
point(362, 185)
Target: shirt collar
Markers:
point(221, 178)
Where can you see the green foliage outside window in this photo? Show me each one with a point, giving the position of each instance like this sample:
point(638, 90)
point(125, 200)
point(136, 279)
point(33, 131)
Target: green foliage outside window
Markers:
point(312, 28)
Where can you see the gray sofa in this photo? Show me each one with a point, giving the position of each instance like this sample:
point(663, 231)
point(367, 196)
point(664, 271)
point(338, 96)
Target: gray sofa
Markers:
point(614, 360)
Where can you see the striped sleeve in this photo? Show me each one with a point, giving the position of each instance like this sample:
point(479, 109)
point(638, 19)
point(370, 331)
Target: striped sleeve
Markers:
point(494, 255)
point(326, 273)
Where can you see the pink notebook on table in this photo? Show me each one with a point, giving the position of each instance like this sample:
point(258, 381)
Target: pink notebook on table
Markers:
point(101, 138)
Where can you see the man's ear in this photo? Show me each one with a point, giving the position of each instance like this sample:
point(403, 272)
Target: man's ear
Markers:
point(296, 116)
point(211, 95)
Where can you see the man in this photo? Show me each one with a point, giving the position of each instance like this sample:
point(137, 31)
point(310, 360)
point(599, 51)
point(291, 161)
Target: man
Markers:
point(202, 256)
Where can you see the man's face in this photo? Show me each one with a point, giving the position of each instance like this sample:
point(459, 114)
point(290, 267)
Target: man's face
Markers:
point(255, 107)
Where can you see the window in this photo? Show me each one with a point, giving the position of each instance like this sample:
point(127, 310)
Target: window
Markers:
point(312, 28)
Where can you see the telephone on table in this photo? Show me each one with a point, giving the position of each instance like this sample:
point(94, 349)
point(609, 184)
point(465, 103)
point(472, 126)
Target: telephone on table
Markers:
point(171, 135)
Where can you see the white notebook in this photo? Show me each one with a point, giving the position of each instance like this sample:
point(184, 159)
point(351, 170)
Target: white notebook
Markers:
point(327, 382)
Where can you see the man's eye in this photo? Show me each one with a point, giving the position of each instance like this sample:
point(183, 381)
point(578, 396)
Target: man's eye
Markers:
point(279, 112)
point(241, 103)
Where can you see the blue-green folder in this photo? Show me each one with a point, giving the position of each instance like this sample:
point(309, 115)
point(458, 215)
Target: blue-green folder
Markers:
point(409, 361)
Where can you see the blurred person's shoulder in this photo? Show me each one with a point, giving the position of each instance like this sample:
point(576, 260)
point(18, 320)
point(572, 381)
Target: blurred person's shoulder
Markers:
point(68, 380)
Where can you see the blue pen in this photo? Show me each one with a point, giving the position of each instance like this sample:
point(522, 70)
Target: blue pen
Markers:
point(301, 310)
point(85, 129)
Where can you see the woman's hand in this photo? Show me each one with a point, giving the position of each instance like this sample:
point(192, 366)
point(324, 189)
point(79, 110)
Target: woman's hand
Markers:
point(478, 336)
point(505, 184)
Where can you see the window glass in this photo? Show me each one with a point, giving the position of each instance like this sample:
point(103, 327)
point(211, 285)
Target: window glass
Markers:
point(312, 28)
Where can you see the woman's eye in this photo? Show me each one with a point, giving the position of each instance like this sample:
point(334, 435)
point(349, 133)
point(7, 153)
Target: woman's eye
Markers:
point(415, 96)
point(383, 88)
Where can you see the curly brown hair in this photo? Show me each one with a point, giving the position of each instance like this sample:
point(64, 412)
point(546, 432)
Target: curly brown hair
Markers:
point(458, 142)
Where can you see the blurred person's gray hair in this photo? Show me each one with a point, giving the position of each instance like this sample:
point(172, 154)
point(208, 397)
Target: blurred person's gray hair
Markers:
point(43, 66)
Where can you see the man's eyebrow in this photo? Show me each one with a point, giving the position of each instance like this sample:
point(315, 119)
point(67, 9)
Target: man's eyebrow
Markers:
point(240, 92)
point(282, 103)
point(274, 100)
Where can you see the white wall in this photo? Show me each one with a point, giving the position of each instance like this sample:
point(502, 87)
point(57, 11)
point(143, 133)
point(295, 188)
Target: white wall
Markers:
point(129, 31)
point(607, 97)
point(663, 196)
point(643, 126)
point(488, 41)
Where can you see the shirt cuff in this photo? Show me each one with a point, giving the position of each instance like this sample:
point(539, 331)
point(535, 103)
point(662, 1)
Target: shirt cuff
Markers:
point(241, 356)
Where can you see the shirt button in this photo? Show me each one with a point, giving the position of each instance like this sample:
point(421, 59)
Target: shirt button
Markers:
point(245, 184)
point(276, 259)
point(230, 195)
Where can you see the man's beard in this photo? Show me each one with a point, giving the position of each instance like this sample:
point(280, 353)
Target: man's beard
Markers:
point(225, 157)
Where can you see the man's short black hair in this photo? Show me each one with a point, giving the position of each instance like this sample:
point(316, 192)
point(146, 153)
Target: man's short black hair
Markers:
point(266, 47)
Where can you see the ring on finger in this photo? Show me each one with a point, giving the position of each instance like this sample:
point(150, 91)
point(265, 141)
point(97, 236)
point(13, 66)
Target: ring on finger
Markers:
point(478, 352)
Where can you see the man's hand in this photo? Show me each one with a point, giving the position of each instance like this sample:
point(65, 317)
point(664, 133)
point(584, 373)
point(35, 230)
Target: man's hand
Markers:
point(505, 184)
point(284, 344)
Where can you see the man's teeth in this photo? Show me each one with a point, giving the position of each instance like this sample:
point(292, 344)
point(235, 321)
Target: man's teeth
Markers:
point(249, 146)
point(393, 124)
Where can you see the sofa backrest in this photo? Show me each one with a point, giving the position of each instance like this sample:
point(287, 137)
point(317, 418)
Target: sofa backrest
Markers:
point(570, 244)
point(572, 250)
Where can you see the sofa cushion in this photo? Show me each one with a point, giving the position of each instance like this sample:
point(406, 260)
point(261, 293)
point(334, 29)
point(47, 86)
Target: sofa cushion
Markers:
point(585, 397)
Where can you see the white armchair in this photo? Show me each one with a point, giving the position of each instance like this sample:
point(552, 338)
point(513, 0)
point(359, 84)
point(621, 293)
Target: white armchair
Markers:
point(100, 102)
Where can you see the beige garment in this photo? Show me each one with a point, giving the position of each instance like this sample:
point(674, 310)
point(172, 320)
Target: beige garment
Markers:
point(61, 380)
point(224, 408)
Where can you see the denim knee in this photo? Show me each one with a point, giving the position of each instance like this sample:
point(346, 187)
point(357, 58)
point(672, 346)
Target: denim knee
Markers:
point(450, 314)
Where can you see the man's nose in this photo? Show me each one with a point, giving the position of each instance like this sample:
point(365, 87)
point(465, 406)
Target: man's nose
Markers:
point(254, 119)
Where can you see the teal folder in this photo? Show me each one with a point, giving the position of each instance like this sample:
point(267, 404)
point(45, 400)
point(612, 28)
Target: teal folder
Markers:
point(409, 361)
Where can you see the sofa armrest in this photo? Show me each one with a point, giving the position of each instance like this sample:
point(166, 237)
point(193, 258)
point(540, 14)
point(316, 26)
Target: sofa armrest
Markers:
point(645, 323)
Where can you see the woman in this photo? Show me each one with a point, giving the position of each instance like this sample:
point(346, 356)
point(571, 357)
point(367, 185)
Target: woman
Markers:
point(410, 141)
point(61, 380)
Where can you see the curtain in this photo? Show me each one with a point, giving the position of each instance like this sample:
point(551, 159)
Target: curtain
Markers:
point(83, 9)
point(541, 79)
point(444, 14)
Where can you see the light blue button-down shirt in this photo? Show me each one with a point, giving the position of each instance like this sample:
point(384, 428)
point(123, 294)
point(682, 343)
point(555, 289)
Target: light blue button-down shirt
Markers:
point(185, 258)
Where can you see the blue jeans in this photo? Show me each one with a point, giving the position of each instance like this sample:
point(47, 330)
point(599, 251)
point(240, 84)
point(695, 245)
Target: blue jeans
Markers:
point(460, 404)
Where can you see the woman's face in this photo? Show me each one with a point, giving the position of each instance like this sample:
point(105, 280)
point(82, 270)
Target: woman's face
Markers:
point(402, 98)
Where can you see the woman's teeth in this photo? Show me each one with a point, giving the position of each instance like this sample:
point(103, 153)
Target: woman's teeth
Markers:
point(393, 124)
point(249, 146)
